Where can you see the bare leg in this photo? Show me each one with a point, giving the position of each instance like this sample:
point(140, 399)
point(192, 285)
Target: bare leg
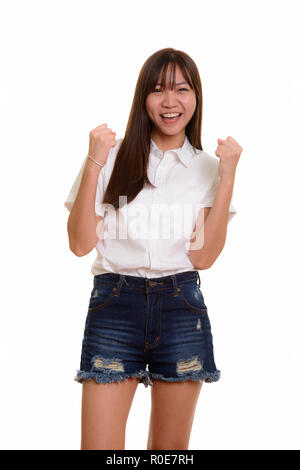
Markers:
point(173, 406)
point(105, 409)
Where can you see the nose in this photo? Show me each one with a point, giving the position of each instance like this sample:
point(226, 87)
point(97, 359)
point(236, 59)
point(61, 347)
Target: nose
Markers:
point(169, 98)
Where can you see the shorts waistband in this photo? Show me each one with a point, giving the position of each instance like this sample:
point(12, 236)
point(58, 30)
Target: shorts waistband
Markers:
point(156, 283)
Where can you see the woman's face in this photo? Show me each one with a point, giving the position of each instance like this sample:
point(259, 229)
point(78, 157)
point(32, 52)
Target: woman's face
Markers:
point(181, 99)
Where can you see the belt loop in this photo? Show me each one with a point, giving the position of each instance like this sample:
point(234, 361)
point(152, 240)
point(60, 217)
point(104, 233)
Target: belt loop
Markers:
point(146, 287)
point(175, 288)
point(199, 280)
point(120, 282)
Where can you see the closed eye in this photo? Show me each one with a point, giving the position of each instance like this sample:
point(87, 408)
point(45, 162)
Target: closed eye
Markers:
point(158, 89)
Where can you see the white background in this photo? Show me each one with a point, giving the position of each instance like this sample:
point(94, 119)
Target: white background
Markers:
point(69, 66)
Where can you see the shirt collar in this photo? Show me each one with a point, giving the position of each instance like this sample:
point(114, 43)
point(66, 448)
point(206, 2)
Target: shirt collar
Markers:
point(184, 153)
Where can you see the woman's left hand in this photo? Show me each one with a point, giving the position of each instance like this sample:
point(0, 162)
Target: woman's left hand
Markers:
point(229, 152)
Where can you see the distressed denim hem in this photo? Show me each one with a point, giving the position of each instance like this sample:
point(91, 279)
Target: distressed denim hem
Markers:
point(202, 375)
point(104, 377)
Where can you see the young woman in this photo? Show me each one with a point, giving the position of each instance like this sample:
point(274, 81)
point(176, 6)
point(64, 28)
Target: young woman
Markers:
point(156, 208)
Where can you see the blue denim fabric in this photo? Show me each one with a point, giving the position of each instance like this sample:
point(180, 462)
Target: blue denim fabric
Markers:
point(135, 322)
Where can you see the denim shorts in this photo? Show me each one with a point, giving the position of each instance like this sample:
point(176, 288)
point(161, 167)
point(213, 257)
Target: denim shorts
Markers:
point(134, 322)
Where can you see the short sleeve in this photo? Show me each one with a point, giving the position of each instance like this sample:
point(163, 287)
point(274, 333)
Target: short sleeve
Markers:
point(214, 180)
point(99, 210)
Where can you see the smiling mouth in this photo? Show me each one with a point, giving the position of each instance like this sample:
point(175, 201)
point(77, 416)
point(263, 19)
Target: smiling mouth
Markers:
point(171, 119)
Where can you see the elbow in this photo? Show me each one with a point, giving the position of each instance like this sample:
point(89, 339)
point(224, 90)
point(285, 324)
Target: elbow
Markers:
point(77, 252)
point(201, 263)
point(204, 260)
point(204, 265)
point(72, 241)
point(74, 248)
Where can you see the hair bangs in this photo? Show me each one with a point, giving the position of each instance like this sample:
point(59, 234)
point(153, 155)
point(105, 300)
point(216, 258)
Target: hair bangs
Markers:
point(159, 76)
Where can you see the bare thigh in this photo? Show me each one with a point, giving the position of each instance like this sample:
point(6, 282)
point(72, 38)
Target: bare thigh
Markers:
point(173, 406)
point(104, 413)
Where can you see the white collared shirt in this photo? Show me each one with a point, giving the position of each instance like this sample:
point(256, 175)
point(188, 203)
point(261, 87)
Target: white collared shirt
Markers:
point(150, 236)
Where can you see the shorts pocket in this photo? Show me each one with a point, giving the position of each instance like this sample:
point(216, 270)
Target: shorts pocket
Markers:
point(102, 296)
point(192, 297)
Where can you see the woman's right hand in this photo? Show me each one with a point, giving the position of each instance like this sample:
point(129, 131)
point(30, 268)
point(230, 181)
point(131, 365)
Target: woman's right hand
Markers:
point(102, 139)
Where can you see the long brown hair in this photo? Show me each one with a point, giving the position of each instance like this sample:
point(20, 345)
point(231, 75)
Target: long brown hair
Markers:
point(129, 174)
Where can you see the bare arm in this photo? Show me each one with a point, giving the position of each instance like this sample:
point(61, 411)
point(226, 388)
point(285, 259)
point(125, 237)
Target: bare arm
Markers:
point(214, 229)
point(213, 232)
point(83, 220)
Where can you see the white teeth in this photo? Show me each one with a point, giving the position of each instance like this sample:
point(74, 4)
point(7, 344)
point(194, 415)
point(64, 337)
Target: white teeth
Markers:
point(171, 115)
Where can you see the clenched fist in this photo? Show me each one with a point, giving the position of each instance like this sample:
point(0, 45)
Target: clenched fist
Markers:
point(102, 139)
point(229, 152)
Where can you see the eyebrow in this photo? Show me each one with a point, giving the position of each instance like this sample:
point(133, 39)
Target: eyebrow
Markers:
point(180, 83)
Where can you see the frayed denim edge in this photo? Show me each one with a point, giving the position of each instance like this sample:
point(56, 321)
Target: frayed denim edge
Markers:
point(146, 377)
point(193, 375)
point(108, 378)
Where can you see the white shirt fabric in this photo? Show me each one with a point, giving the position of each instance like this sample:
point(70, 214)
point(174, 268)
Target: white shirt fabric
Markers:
point(151, 236)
